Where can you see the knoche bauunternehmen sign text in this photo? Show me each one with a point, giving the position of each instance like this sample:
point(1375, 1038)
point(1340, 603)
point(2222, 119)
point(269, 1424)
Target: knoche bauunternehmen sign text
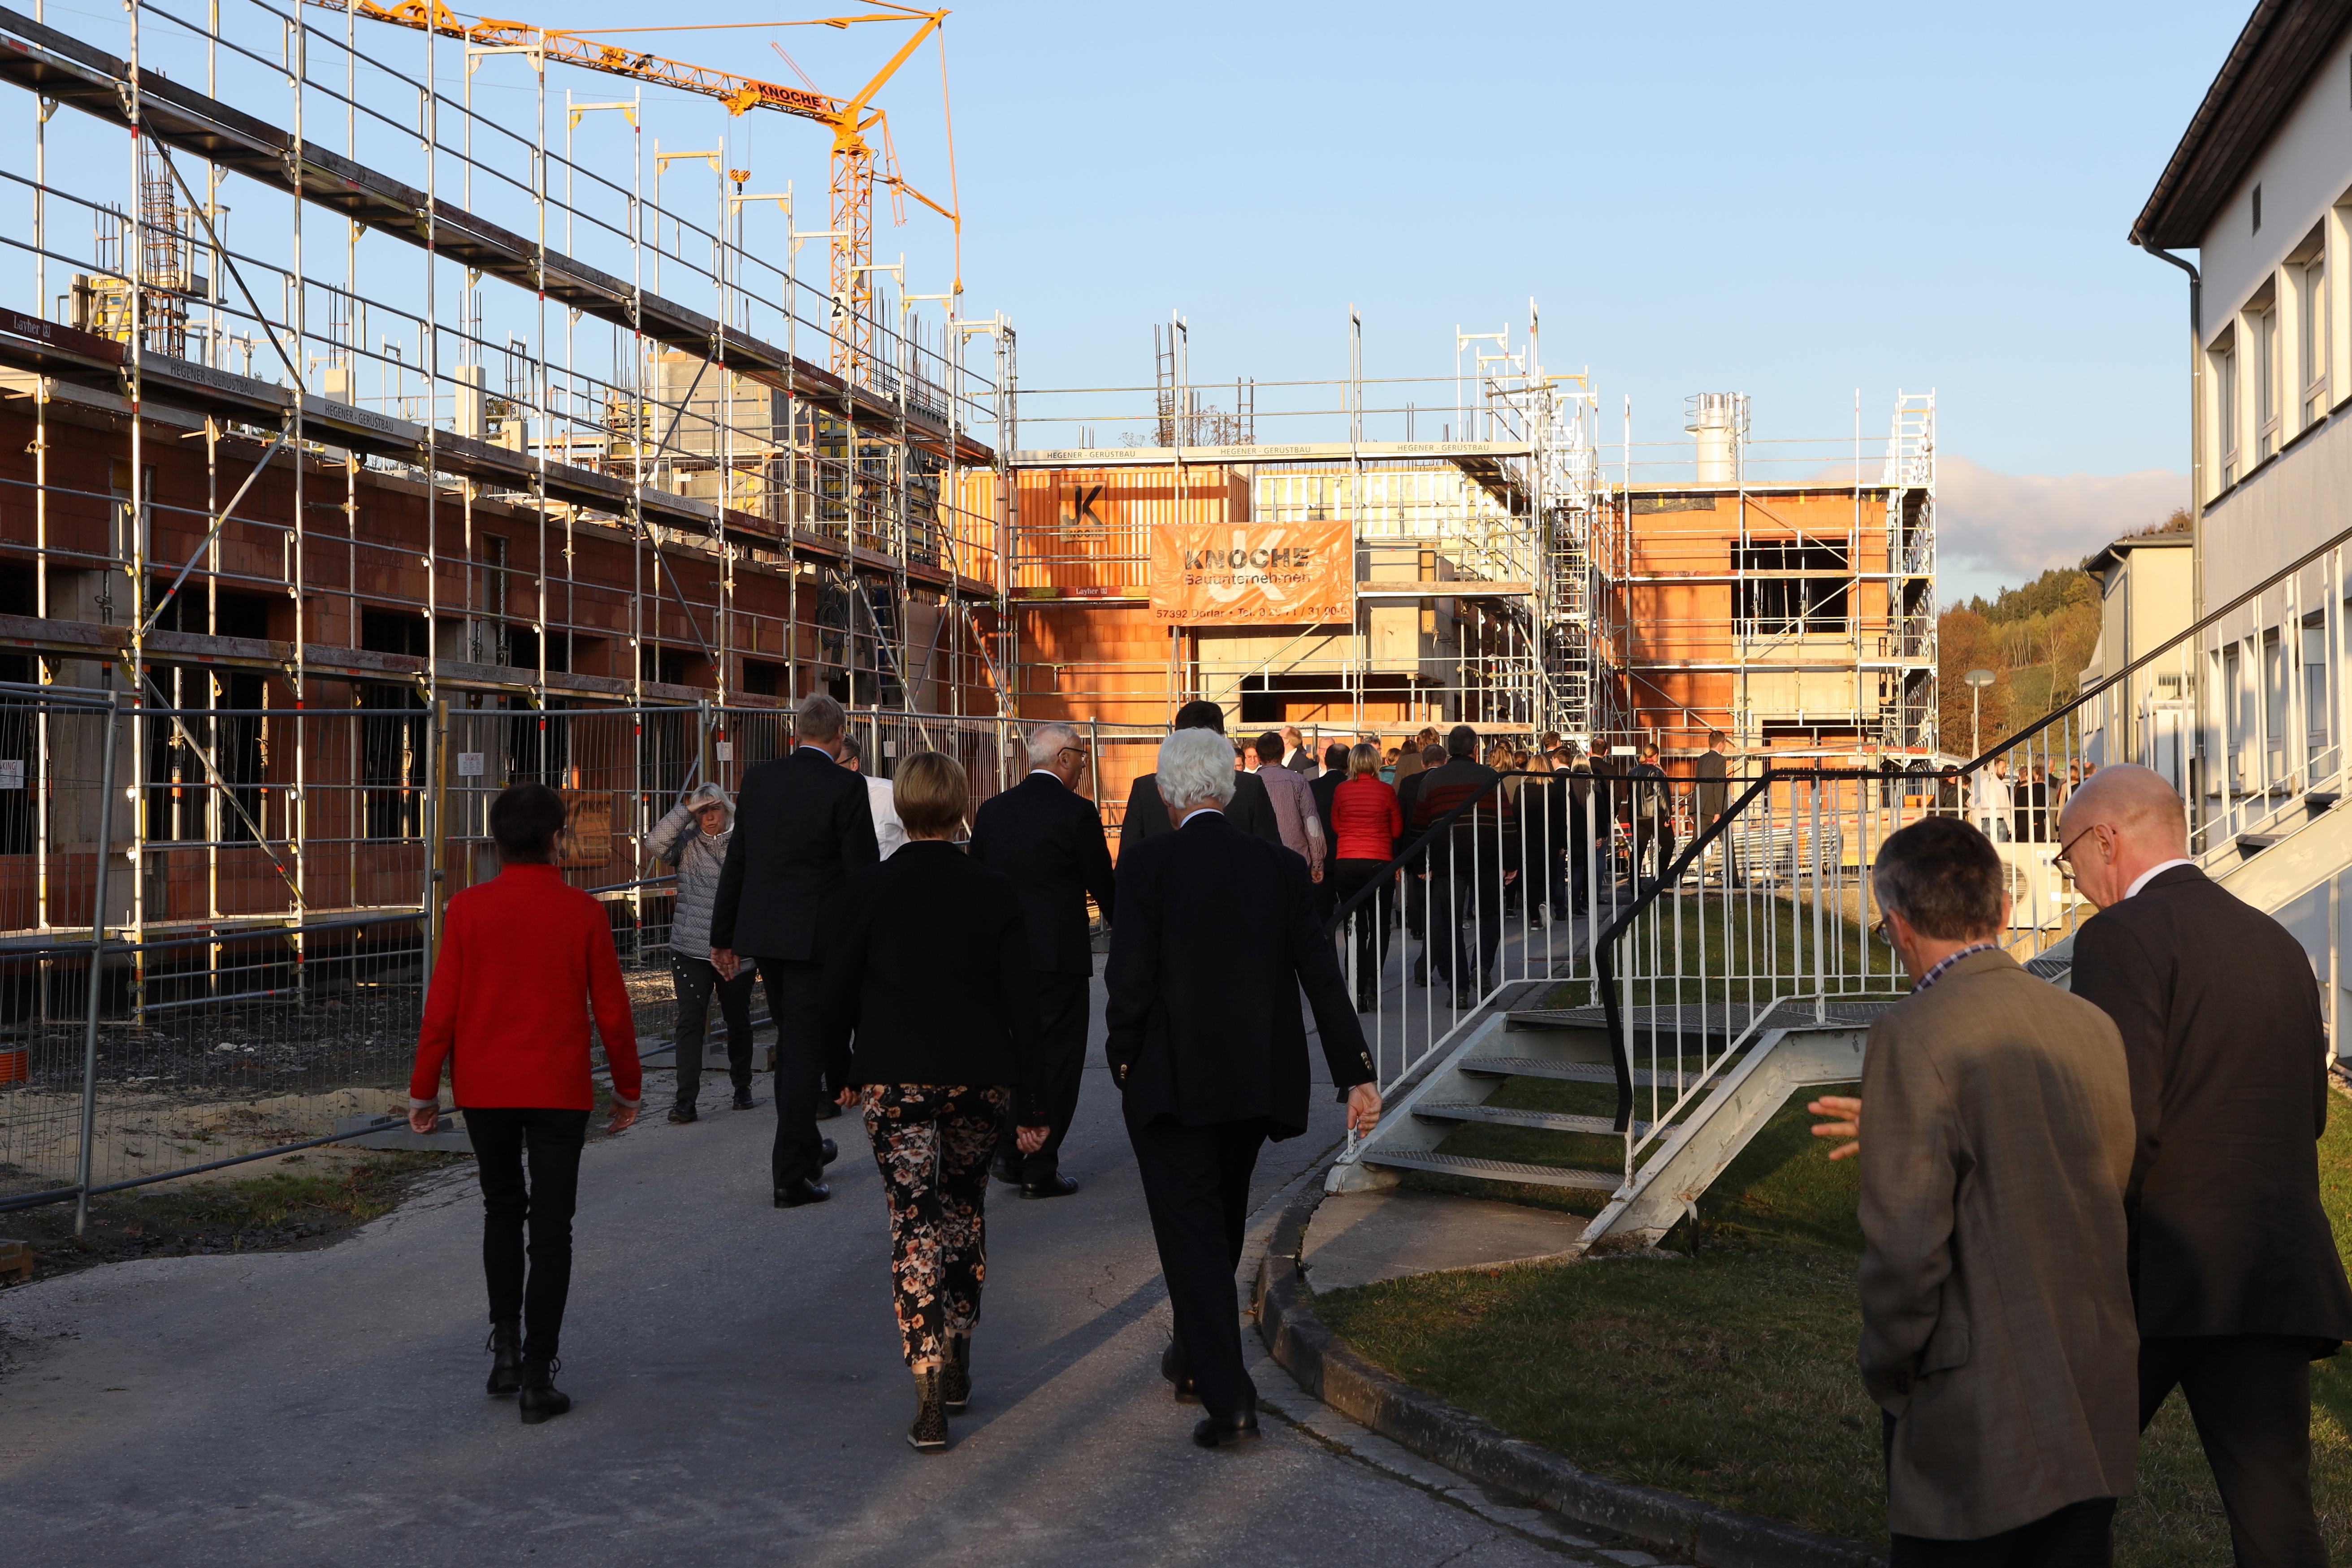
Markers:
point(1244, 574)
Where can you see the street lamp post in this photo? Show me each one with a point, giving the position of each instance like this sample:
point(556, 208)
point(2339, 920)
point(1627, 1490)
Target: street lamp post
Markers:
point(1978, 680)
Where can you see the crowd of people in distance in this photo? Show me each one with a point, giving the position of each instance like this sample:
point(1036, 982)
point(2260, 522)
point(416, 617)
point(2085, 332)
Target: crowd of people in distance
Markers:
point(929, 966)
point(2074, 1201)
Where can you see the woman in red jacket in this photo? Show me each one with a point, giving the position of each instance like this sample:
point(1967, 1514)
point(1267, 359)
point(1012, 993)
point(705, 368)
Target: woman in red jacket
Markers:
point(1367, 821)
point(523, 960)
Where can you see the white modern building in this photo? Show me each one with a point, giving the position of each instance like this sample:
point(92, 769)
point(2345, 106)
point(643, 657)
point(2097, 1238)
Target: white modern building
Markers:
point(2260, 188)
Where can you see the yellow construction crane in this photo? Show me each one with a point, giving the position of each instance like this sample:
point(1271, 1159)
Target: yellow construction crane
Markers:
point(854, 173)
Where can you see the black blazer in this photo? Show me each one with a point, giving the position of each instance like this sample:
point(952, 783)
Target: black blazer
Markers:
point(1714, 775)
point(1217, 934)
point(1048, 839)
point(2222, 1029)
point(1251, 810)
point(928, 971)
point(803, 829)
point(1325, 786)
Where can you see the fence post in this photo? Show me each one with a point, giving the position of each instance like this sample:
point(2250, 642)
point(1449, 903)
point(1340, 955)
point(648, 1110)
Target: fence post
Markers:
point(437, 801)
point(97, 968)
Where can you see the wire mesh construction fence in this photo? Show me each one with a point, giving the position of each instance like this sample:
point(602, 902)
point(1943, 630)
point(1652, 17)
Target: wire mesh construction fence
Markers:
point(216, 924)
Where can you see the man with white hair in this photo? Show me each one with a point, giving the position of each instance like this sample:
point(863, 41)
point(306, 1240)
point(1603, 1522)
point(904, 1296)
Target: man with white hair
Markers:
point(1048, 839)
point(2234, 1266)
point(1217, 935)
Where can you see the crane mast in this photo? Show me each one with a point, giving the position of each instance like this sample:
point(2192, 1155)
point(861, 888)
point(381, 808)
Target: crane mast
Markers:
point(853, 173)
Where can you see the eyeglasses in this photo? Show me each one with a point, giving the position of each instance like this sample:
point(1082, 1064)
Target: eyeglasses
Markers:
point(1878, 930)
point(2064, 859)
point(1081, 752)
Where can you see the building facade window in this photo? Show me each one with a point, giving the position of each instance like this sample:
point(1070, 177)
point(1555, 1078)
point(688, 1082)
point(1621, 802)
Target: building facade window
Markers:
point(2266, 423)
point(2225, 414)
point(2311, 319)
point(1786, 603)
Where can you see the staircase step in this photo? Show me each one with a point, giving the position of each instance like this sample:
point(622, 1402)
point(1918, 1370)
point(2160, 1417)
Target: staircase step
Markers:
point(2316, 802)
point(1570, 1072)
point(2252, 843)
point(1542, 1120)
point(1496, 1169)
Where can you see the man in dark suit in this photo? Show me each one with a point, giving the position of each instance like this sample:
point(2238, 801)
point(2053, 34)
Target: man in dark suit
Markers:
point(1469, 865)
point(1297, 754)
point(1217, 935)
point(1714, 775)
point(1252, 810)
point(2233, 1264)
point(803, 829)
point(1048, 839)
point(1327, 785)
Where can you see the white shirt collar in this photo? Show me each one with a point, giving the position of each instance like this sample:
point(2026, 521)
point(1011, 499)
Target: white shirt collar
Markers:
point(1200, 811)
point(2143, 879)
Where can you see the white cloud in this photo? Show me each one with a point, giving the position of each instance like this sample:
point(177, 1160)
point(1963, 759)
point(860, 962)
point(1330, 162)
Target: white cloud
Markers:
point(1994, 529)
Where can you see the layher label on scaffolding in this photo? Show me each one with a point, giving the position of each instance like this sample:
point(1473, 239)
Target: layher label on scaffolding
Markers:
point(1241, 573)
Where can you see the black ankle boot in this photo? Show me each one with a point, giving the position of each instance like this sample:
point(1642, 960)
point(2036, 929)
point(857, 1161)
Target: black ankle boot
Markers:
point(541, 1400)
point(928, 1435)
point(955, 1377)
point(506, 1358)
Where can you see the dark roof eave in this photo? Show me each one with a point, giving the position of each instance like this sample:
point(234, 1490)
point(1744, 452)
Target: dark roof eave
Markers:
point(2282, 42)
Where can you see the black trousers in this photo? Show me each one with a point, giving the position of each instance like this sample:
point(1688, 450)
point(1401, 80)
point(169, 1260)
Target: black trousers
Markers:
point(1061, 1020)
point(2080, 1535)
point(1471, 890)
point(505, 1138)
point(795, 989)
point(693, 981)
point(1652, 835)
point(2250, 1395)
point(1371, 920)
point(1196, 1182)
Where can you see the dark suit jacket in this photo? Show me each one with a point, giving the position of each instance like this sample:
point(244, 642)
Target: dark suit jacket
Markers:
point(1324, 788)
point(1217, 934)
point(1996, 1301)
point(1304, 763)
point(803, 829)
point(929, 970)
point(1048, 839)
point(1251, 810)
point(1713, 771)
point(2222, 1025)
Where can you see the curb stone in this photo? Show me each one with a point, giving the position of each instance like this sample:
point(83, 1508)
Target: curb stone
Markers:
point(1476, 1449)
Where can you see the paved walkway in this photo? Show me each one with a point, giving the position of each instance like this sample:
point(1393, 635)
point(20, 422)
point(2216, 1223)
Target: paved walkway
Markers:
point(739, 1397)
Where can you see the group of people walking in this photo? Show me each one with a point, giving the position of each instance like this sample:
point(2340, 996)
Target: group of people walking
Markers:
point(2073, 1204)
point(942, 990)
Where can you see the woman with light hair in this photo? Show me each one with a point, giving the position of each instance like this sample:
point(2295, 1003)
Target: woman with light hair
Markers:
point(692, 840)
point(929, 1021)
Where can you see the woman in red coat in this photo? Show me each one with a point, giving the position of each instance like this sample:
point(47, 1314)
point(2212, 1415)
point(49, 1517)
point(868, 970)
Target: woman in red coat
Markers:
point(1367, 821)
point(523, 960)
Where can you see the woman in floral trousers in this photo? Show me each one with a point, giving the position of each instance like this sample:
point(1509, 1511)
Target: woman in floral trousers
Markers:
point(929, 1023)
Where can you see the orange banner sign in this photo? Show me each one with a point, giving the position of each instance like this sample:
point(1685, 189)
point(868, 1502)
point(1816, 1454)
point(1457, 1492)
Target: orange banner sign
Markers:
point(1249, 574)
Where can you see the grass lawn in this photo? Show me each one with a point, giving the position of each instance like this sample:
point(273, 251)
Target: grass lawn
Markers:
point(1729, 1374)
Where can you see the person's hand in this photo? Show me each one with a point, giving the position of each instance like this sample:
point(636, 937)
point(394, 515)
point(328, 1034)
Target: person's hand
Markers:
point(1364, 1107)
point(1029, 1140)
point(1315, 872)
point(1847, 1108)
point(1510, 878)
point(724, 961)
point(425, 1118)
point(847, 1098)
point(624, 1118)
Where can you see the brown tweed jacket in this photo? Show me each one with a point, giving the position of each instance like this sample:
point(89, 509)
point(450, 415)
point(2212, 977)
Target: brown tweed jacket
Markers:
point(1997, 1323)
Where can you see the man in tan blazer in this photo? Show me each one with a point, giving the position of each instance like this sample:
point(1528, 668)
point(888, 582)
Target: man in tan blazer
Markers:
point(1997, 1331)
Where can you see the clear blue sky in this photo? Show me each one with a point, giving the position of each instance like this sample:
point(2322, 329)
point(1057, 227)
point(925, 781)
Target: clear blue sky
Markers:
point(1789, 200)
